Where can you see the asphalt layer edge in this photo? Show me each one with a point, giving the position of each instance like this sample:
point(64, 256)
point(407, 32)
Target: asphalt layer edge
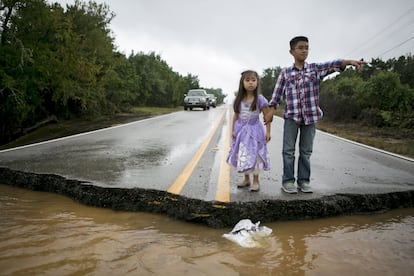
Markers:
point(210, 213)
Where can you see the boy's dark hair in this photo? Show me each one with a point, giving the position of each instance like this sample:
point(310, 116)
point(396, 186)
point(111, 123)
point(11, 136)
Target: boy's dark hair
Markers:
point(295, 41)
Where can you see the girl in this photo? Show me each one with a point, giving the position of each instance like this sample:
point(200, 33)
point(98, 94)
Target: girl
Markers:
point(248, 152)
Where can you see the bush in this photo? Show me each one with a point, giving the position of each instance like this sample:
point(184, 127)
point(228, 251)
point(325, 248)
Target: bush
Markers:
point(373, 117)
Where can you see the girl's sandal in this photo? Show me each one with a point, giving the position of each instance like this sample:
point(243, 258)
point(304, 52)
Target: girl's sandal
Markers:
point(255, 187)
point(245, 183)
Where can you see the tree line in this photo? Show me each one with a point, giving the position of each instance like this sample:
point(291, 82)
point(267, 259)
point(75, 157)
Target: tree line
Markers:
point(382, 95)
point(62, 62)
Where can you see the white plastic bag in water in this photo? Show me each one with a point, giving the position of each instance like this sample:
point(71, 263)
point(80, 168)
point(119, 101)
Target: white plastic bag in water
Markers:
point(247, 234)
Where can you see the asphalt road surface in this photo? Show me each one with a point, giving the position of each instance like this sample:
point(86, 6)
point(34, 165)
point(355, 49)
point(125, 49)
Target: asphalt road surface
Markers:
point(184, 153)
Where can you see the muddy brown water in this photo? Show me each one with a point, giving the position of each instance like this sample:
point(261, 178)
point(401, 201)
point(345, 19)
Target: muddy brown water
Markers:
point(48, 234)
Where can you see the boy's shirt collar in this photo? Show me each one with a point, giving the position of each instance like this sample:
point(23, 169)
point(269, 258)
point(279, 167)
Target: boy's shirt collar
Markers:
point(305, 66)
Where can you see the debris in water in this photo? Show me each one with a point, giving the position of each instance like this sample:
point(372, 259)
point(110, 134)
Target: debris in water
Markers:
point(248, 234)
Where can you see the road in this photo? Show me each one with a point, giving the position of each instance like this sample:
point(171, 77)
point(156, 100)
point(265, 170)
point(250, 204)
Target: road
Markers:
point(183, 154)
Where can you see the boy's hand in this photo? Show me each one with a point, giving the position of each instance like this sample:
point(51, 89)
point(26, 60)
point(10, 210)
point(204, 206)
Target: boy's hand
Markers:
point(359, 64)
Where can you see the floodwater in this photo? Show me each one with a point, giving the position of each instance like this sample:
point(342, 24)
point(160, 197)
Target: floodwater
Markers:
point(48, 234)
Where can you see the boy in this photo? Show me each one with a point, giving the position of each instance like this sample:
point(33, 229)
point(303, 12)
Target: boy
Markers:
point(300, 84)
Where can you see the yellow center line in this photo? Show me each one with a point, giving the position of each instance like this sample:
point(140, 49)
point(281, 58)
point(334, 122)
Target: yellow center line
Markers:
point(182, 179)
point(223, 182)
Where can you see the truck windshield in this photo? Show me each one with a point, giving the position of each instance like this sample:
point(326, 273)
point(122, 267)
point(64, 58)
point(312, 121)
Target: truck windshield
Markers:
point(195, 93)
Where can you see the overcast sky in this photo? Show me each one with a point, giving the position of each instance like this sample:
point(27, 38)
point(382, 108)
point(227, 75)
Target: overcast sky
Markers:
point(217, 39)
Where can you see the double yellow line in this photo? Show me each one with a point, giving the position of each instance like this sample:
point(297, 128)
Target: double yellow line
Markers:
point(223, 181)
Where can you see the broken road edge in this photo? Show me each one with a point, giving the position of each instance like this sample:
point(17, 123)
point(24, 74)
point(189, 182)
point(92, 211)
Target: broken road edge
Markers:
point(210, 213)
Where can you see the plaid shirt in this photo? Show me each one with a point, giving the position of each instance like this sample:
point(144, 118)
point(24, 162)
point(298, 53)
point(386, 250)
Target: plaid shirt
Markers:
point(301, 89)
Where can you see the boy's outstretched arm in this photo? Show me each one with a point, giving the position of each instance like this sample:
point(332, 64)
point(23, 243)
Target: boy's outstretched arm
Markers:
point(359, 65)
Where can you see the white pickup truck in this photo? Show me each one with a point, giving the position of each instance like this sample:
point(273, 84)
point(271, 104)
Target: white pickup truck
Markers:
point(196, 98)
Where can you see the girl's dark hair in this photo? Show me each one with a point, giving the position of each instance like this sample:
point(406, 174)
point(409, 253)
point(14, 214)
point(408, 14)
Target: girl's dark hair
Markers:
point(295, 41)
point(242, 91)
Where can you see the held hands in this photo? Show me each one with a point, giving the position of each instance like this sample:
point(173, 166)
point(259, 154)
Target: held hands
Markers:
point(267, 137)
point(268, 116)
point(359, 64)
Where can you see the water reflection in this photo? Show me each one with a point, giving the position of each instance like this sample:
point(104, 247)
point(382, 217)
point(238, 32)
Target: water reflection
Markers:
point(47, 234)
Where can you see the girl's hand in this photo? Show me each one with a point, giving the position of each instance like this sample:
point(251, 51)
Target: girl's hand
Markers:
point(267, 137)
point(233, 135)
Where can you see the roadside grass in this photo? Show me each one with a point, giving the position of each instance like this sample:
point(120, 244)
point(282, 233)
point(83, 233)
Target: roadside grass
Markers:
point(395, 140)
point(154, 111)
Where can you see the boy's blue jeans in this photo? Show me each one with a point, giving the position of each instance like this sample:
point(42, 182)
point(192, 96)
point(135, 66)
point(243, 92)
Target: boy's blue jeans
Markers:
point(306, 136)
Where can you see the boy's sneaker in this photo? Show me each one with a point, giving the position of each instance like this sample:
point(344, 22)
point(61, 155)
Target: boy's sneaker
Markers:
point(289, 187)
point(305, 187)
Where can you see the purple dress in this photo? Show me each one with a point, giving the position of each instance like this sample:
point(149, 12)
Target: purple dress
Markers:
point(248, 152)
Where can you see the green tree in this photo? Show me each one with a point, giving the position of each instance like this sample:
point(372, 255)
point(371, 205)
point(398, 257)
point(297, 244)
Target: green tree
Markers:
point(87, 57)
point(404, 66)
point(160, 85)
point(122, 85)
point(152, 71)
point(384, 91)
point(268, 81)
point(52, 61)
point(338, 97)
point(18, 88)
